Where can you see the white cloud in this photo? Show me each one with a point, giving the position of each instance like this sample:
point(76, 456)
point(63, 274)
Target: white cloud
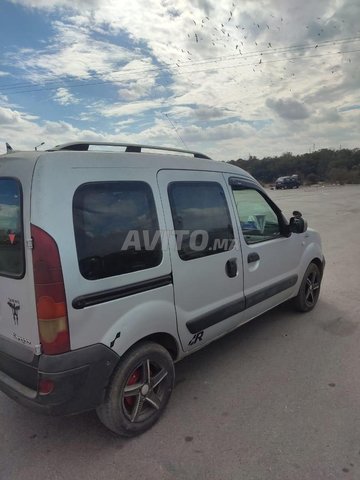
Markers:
point(64, 97)
point(183, 58)
point(4, 101)
point(288, 108)
point(136, 88)
point(51, 4)
point(24, 131)
point(128, 109)
point(73, 53)
point(8, 117)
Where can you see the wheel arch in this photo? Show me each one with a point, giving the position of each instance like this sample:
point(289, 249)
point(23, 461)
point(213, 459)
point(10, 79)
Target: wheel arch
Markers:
point(319, 264)
point(164, 339)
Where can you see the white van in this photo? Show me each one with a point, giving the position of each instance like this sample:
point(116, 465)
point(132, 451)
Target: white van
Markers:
point(114, 265)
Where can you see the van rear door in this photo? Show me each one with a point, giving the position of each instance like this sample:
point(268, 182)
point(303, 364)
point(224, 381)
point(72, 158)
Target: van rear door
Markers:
point(18, 320)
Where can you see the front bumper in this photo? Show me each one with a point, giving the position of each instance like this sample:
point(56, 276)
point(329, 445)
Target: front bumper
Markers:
point(80, 378)
point(323, 266)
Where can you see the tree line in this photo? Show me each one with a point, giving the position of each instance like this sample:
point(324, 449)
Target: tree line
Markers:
point(325, 165)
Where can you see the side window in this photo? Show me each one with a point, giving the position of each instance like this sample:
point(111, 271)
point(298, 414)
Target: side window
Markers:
point(116, 228)
point(258, 220)
point(11, 229)
point(201, 219)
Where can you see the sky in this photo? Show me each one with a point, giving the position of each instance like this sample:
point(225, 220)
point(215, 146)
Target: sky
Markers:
point(227, 78)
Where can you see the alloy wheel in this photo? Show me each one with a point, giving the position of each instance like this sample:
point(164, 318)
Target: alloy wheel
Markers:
point(144, 391)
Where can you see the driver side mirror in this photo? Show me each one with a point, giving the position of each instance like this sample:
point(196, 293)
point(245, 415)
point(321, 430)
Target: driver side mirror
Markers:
point(297, 223)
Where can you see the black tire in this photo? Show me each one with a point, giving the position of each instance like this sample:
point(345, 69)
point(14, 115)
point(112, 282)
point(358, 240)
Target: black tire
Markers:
point(309, 290)
point(139, 390)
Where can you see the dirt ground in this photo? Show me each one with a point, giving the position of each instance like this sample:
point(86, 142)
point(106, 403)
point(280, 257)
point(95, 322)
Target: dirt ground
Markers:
point(278, 398)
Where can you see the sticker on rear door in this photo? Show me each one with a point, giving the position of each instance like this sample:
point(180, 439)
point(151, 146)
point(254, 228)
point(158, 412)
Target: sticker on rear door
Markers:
point(15, 307)
point(22, 340)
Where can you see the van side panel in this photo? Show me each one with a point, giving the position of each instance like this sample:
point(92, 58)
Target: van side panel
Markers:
point(117, 310)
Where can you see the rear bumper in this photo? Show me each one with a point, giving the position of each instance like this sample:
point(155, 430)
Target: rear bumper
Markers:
point(80, 379)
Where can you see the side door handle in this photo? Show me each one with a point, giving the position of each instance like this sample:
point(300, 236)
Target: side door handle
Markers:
point(253, 257)
point(231, 268)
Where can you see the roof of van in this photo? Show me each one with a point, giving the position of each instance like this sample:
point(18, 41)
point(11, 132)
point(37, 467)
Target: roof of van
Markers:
point(162, 159)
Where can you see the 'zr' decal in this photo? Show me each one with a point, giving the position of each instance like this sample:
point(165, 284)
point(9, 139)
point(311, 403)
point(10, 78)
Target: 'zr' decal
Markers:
point(196, 338)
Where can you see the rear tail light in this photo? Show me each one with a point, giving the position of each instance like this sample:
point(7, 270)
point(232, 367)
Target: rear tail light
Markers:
point(49, 294)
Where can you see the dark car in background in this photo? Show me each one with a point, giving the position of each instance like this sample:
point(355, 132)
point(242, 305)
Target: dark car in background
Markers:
point(292, 181)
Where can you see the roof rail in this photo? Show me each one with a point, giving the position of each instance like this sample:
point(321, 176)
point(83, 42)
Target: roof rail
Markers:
point(130, 147)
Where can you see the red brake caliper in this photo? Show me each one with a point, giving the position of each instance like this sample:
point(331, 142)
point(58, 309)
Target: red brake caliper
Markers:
point(134, 378)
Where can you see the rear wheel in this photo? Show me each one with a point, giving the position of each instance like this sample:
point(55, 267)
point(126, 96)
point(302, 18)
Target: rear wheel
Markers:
point(139, 390)
point(309, 291)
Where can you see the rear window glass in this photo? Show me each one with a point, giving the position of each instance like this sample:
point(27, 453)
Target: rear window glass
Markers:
point(11, 229)
point(116, 228)
point(201, 219)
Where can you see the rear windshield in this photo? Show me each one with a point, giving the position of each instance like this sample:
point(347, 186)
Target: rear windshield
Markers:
point(11, 232)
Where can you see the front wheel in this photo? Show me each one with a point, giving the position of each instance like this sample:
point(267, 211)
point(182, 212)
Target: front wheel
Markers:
point(139, 390)
point(309, 290)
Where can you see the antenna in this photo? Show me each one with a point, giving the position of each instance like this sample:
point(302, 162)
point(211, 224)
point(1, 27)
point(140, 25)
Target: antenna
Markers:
point(40, 145)
point(9, 148)
point(176, 130)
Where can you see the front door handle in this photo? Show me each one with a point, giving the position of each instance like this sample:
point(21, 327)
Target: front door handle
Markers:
point(231, 268)
point(253, 257)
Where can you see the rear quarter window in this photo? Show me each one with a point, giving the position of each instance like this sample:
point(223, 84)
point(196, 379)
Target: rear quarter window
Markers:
point(11, 229)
